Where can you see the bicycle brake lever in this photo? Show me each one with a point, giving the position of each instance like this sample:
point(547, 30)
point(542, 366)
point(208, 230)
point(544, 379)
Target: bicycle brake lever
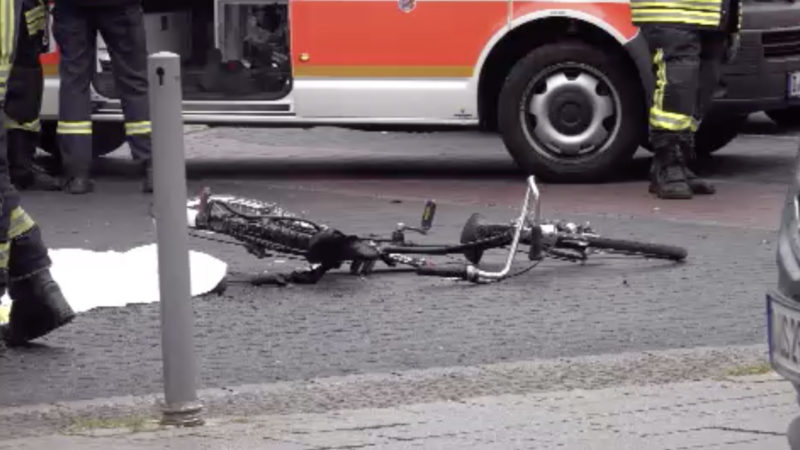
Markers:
point(427, 216)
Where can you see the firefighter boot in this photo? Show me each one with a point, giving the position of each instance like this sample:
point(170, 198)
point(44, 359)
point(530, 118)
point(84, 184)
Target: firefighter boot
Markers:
point(668, 176)
point(147, 181)
point(38, 307)
point(698, 185)
point(25, 175)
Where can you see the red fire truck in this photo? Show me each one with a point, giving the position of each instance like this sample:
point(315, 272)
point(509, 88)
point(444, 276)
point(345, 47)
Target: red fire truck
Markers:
point(563, 81)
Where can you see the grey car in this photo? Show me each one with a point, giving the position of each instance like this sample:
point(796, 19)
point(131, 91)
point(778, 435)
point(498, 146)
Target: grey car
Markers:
point(783, 300)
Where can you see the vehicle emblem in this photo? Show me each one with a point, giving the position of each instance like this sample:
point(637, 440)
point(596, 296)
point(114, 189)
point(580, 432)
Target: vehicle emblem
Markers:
point(406, 5)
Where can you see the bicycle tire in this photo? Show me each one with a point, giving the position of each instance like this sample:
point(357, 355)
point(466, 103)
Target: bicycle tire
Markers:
point(646, 249)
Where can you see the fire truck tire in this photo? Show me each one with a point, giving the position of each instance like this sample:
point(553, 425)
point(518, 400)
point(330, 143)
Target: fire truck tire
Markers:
point(716, 131)
point(106, 137)
point(572, 112)
point(788, 117)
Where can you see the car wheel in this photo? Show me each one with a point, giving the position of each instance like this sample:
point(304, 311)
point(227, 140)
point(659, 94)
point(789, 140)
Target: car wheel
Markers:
point(571, 112)
point(717, 131)
point(106, 137)
point(785, 117)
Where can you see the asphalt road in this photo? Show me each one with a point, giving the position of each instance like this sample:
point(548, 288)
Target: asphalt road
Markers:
point(368, 181)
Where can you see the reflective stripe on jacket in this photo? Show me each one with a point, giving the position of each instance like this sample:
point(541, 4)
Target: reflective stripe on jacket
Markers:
point(707, 14)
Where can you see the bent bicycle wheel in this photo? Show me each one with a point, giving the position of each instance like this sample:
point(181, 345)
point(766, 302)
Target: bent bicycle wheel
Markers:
point(646, 249)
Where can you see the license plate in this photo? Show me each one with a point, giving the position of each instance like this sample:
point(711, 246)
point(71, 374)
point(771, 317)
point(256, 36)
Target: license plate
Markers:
point(794, 85)
point(783, 334)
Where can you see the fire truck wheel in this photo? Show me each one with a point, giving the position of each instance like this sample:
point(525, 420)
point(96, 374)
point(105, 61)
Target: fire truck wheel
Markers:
point(106, 137)
point(716, 131)
point(571, 112)
point(788, 117)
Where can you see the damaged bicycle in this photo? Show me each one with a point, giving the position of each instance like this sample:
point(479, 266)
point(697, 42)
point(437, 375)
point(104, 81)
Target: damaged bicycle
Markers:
point(267, 230)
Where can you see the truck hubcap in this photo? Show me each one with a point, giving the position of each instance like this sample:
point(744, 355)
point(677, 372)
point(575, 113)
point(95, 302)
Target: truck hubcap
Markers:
point(571, 111)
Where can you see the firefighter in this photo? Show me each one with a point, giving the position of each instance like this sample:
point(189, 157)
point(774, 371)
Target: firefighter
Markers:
point(689, 42)
point(24, 100)
point(121, 25)
point(38, 305)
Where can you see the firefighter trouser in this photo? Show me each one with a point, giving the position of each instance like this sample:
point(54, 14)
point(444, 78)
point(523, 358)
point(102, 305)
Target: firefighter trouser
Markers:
point(687, 66)
point(24, 94)
point(75, 30)
point(22, 251)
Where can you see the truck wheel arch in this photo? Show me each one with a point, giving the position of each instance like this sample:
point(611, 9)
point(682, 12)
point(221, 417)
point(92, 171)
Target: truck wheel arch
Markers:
point(548, 26)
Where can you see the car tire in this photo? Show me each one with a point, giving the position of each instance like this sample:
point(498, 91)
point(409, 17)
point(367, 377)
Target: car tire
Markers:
point(786, 117)
point(106, 137)
point(717, 131)
point(595, 112)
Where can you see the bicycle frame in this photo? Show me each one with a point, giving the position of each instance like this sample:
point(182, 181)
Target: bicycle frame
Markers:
point(531, 195)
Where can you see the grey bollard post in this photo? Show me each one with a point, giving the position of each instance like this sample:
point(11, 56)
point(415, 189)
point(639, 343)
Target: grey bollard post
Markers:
point(182, 406)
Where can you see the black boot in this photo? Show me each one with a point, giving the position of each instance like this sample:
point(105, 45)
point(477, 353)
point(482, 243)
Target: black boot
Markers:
point(38, 307)
point(78, 185)
point(668, 175)
point(36, 180)
point(25, 175)
point(698, 185)
point(147, 182)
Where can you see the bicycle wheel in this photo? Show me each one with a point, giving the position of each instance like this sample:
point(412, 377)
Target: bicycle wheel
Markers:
point(645, 249)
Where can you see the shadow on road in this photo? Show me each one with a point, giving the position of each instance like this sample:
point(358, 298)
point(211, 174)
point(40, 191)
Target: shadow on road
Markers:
point(749, 158)
point(754, 167)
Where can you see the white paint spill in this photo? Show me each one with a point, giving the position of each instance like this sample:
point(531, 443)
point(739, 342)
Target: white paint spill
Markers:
point(92, 279)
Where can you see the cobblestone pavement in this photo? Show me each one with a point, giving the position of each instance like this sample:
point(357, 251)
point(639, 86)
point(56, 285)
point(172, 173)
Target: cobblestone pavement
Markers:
point(347, 325)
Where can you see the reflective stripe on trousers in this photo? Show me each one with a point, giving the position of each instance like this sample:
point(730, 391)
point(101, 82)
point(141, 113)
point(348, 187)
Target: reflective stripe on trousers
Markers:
point(134, 128)
point(660, 118)
point(34, 126)
point(79, 127)
point(19, 224)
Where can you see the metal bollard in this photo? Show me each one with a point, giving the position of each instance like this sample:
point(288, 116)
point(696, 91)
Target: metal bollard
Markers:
point(182, 407)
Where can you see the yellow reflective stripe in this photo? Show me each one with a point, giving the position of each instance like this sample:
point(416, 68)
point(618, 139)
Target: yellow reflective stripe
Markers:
point(674, 19)
point(674, 116)
point(661, 78)
point(688, 3)
point(5, 253)
point(83, 127)
point(19, 223)
point(34, 13)
point(693, 8)
point(661, 125)
point(132, 128)
point(36, 27)
point(35, 18)
point(7, 30)
point(5, 313)
point(669, 121)
point(659, 118)
point(676, 12)
point(34, 125)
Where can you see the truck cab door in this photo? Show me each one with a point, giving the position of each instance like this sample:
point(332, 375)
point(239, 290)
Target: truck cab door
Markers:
point(403, 60)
